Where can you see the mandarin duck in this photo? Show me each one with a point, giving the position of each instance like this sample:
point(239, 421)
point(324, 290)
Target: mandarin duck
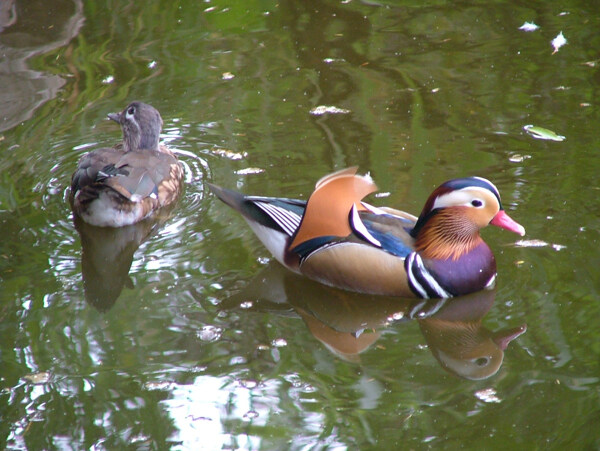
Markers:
point(121, 185)
point(336, 239)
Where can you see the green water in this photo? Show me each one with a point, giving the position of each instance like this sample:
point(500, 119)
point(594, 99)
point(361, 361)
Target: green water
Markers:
point(196, 339)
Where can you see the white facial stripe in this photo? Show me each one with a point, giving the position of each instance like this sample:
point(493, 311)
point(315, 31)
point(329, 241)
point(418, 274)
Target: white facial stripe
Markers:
point(461, 197)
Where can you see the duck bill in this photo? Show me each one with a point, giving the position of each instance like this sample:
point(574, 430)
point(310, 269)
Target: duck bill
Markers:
point(504, 221)
point(504, 337)
point(115, 117)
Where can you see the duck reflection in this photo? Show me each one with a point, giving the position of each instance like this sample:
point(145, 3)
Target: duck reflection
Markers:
point(106, 257)
point(460, 343)
point(29, 28)
point(349, 323)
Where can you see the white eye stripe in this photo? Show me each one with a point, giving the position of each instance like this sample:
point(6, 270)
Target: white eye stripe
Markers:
point(461, 197)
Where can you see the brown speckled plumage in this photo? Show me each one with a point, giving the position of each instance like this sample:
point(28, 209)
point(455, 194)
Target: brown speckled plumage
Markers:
point(126, 183)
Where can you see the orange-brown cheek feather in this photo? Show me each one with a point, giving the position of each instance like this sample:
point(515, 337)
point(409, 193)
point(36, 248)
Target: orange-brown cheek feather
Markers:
point(448, 234)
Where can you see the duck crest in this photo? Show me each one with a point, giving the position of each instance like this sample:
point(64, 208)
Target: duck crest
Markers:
point(446, 235)
point(329, 205)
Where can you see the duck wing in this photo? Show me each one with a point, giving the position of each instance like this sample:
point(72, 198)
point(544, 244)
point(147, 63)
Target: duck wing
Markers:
point(134, 175)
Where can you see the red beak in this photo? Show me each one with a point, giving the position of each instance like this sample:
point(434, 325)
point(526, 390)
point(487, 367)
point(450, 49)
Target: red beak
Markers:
point(503, 337)
point(504, 221)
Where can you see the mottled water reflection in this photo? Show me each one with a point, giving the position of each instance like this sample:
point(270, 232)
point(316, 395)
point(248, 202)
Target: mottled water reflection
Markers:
point(179, 348)
point(349, 324)
point(29, 29)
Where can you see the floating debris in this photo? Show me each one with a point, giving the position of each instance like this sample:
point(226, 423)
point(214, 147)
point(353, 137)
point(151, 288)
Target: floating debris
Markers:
point(324, 109)
point(249, 171)
point(529, 26)
point(227, 76)
point(558, 42)
point(518, 158)
point(591, 63)
point(38, 378)
point(531, 243)
point(543, 133)
point(539, 243)
point(230, 154)
point(383, 194)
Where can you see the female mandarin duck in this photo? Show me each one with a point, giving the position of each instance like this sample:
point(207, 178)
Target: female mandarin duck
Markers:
point(121, 185)
point(338, 240)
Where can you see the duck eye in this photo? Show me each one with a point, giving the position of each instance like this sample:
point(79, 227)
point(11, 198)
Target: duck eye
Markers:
point(476, 203)
point(131, 111)
point(481, 361)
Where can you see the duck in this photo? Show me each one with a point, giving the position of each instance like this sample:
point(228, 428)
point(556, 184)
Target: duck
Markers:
point(124, 184)
point(337, 239)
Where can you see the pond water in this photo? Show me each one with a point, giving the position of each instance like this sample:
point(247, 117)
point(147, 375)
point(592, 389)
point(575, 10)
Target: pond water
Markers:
point(188, 335)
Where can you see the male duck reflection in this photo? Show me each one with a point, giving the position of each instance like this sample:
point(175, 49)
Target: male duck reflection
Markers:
point(348, 323)
point(121, 185)
point(338, 240)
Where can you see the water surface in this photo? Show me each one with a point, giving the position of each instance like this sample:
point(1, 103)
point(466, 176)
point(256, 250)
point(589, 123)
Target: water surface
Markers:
point(191, 337)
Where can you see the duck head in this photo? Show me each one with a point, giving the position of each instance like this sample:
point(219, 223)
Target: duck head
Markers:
point(141, 124)
point(449, 223)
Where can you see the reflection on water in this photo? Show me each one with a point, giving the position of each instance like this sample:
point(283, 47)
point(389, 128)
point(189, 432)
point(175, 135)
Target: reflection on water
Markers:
point(458, 340)
point(25, 33)
point(106, 257)
point(267, 96)
point(348, 323)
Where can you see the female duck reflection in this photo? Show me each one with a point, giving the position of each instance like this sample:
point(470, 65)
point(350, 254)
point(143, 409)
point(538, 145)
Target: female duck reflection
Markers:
point(106, 257)
point(348, 324)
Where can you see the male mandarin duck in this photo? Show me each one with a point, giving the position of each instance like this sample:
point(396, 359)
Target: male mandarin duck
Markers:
point(338, 240)
point(121, 185)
